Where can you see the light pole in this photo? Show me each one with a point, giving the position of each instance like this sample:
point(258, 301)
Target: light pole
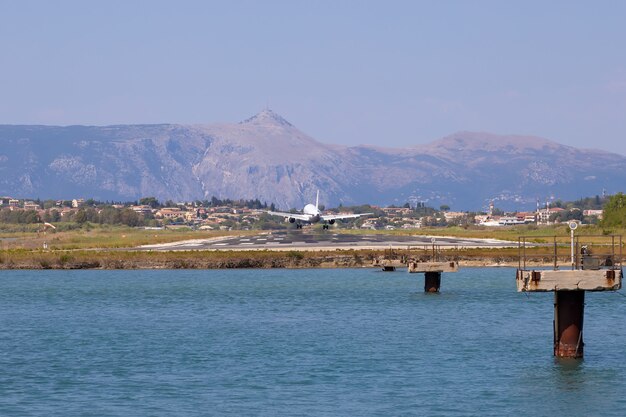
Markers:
point(572, 227)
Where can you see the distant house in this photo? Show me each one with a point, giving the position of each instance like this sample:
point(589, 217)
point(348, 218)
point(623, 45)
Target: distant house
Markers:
point(78, 202)
point(527, 217)
point(481, 218)
point(414, 225)
point(31, 205)
point(543, 216)
point(221, 209)
point(14, 202)
point(451, 215)
point(396, 211)
point(212, 220)
point(190, 215)
point(597, 213)
point(369, 224)
point(142, 209)
point(169, 213)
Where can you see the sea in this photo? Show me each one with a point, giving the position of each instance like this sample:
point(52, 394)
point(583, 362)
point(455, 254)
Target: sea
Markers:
point(317, 342)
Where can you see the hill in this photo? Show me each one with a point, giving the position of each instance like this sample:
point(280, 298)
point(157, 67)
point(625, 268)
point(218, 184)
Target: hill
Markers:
point(268, 158)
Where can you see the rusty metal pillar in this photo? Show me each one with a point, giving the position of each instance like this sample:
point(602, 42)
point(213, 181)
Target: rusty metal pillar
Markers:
point(569, 308)
point(432, 281)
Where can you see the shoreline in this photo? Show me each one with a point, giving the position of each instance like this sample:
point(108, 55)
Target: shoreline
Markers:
point(294, 259)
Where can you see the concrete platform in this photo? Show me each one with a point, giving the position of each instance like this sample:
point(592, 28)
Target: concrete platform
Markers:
point(569, 280)
point(423, 267)
point(388, 263)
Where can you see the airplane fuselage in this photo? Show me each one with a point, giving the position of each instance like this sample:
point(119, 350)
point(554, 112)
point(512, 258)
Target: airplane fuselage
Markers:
point(313, 212)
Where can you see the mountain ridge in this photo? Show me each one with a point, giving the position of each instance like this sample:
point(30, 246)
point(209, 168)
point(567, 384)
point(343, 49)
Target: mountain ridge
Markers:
point(268, 158)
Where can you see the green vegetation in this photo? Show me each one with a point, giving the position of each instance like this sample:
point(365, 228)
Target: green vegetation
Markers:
point(615, 212)
point(18, 216)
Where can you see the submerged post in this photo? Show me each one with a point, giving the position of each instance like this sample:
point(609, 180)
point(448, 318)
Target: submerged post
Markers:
point(432, 281)
point(569, 309)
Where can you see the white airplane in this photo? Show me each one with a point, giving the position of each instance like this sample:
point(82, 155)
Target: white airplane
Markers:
point(312, 214)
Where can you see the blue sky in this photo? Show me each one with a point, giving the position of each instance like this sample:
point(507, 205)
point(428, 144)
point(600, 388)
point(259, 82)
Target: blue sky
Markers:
point(392, 73)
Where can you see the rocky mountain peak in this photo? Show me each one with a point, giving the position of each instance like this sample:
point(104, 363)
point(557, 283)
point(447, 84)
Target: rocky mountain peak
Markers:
point(267, 117)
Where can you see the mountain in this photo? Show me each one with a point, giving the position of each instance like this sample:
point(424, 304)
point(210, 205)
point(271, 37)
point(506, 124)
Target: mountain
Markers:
point(268, 158)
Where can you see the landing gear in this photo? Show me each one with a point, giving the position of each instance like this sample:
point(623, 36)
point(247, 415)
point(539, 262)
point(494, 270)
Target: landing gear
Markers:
point(298, 225)
point(324, 227)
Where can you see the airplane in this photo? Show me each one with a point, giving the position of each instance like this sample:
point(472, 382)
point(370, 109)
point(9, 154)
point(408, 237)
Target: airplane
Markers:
point(312, 214)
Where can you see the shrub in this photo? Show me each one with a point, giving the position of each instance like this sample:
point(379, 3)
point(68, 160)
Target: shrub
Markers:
point(295, 255)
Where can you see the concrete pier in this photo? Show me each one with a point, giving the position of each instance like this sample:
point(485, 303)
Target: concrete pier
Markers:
point(432, 272)
point(599, 268)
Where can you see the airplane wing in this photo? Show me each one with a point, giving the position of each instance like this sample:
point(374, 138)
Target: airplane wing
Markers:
point(292, 215)
point(326, 217)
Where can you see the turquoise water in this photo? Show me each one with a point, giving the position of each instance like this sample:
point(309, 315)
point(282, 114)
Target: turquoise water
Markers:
point(298, 342)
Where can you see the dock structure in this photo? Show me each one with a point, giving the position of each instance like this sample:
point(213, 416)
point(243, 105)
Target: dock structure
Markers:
point(432, 268)
point(431, 262)
point(391, 260)
point(594, 265)
point(389, 265)
point(432, 271)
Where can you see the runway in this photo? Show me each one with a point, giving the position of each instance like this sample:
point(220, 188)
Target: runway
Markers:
point(305, 240)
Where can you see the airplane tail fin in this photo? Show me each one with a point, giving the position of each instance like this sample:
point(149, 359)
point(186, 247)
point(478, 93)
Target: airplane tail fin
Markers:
point(317, 200)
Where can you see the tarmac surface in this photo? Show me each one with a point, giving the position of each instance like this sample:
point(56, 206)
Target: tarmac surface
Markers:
point(326, 240)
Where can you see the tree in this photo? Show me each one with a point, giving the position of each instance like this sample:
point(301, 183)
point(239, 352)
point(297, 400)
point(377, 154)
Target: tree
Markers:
point(444, 207)
point(108, 215)
point(130, 218)
point(149, 201)
point(80, 216)
point(52, 216)
point(615, 211)
point(48, 204)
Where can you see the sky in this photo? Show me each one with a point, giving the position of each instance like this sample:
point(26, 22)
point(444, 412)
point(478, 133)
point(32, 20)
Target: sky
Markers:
point(387, 73)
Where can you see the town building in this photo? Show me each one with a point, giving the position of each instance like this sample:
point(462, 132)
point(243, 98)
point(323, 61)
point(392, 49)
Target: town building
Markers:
point(452, 215)
point(31, 205)
point(596, 213)
point(396, 211)
point(142, 209)
point(543, 216)
point(169, 213)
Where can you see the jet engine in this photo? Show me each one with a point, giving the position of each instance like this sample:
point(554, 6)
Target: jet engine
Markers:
point(331, 221)
point(292, 220)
